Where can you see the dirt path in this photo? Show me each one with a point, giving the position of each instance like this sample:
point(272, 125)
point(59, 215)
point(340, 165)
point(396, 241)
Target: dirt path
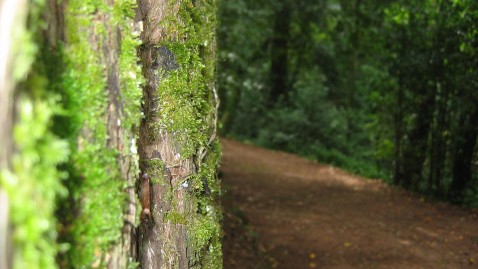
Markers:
point(308, 215)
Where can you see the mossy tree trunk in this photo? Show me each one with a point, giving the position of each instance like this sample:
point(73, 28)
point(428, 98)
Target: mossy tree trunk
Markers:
point(70, 90)
point(13, 13)
point(177, 146)
point(100, 83)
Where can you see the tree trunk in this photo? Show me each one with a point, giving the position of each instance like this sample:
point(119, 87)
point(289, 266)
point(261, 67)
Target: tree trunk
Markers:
point(177, 146)
point(12, 14)
point(463, 155)
point(399, 113)
point(414, 149)
point(97, 124)
point(414, 152)
point(279, 54)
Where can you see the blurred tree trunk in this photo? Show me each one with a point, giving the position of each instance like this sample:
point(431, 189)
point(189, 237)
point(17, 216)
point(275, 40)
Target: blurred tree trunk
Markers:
point(399, 112)
point(106, 48)
point(463, 154)
point(414, 152)
point(119, 137)
point(178, 156)
point(12, 14)
point(279, 53)
point(42, 79)
point(440, 124)
point(415, 147)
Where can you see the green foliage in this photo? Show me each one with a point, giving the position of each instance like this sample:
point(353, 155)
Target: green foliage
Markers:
point(243, 63)
point(382, 88)
point(312, 121)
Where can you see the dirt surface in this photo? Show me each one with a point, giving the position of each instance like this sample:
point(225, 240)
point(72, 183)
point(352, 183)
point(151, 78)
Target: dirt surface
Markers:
point(308, 215)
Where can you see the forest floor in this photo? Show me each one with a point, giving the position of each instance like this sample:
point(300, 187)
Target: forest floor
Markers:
point(283, 211)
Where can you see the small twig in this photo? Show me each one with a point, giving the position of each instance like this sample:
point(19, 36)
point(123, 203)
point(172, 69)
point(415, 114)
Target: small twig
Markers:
point(216, 99)
point(203, 150)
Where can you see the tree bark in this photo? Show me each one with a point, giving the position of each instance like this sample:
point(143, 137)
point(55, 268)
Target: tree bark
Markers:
point(106, 49)
point(172, 146)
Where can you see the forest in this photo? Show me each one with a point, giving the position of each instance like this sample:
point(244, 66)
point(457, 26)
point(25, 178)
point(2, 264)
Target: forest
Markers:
point(153, 134)
point(384, 89)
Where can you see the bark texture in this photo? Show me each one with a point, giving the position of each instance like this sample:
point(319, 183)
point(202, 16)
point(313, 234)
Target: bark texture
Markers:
point(106, 49)
point(119, 138)
point(176, 135)
point(162, 242)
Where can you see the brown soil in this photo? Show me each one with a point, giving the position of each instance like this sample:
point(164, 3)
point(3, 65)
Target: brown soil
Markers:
point(309, 215)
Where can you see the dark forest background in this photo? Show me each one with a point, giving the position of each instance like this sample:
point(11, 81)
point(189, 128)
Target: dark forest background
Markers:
point(386, 89)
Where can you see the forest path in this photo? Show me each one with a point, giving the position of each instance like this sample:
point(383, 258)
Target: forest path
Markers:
point(309, 215)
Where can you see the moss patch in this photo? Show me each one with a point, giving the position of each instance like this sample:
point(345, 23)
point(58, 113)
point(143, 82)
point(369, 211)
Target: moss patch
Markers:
point(187, 103)
point(96, 185)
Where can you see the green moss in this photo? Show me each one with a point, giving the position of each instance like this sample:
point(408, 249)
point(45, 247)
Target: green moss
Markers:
point(187, 109)
point(184, 92)
point(93, 209)
point(204, 235)
point(129, 70)
point(96, 184)
point(34, 183)
point(176, 218)
point(155, 170)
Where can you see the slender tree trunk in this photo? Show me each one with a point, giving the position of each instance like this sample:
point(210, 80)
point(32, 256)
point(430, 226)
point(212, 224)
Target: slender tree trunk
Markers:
point(414, 153)
point(438, 148)
point(353, 72)
point(279, 54)
point(399, 112)
point(440, 121)
point(463, 154)
point(398, 118)
point(230, 109)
